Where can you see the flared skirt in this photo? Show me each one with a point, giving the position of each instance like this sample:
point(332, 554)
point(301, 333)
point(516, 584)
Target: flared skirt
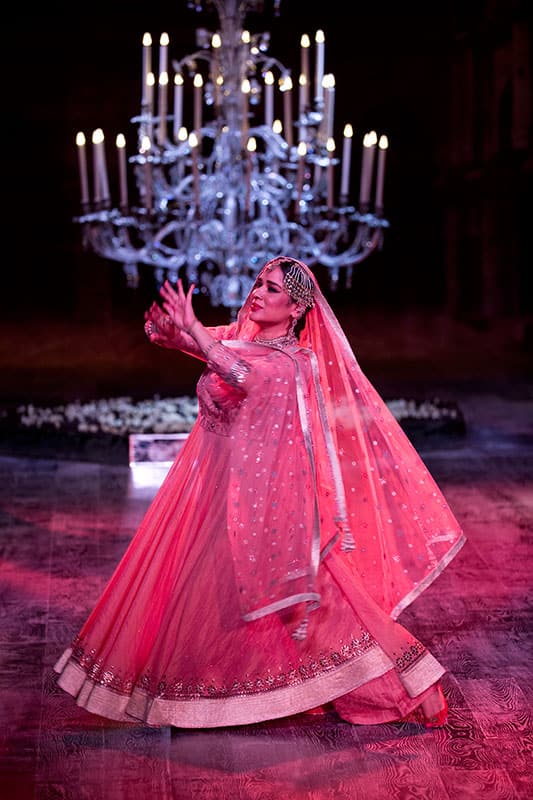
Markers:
point(166, 644)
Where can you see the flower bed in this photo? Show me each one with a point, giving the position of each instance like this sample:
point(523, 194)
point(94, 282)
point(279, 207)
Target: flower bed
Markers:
point(117, 416)
point(99, 429)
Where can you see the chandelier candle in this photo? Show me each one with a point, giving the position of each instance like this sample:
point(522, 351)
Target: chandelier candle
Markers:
point(330, 175)
point(146, 68)
point(198, 83)
point(145, 153)
point(302, 105)
point(178, 104)
point(150, 83)
point(382, 152)
point(330, 99)
point(216, 77)
point(269, 98)
point(82, 163)
point(346, 161)
point(101, 182)
point(302, 152)
point(97, 190)
point(245, 92)
point(319, 67)
point(305, 44)
point(163, 88)
point(123, 180)
point(286, 88)
point(250, 150)
point(193, 144)
point(369, 149)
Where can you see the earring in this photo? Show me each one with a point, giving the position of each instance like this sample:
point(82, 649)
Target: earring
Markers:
point(292, 325)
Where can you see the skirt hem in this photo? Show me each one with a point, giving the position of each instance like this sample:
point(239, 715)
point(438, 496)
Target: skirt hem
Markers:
point(206, 712)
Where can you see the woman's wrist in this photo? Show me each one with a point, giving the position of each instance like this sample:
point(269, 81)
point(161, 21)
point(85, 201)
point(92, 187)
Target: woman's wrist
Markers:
point(190, 330)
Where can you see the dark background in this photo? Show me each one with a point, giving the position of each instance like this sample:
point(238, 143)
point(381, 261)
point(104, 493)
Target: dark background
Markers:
point(70, 326)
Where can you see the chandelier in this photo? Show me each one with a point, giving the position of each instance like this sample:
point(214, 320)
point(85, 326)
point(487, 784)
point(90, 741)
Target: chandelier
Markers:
point(252, 172)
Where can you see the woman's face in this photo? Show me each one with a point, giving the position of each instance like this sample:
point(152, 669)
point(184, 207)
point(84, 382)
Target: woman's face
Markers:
point(270, 304)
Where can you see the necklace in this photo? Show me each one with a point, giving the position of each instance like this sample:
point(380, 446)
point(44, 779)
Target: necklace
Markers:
point(279, 341)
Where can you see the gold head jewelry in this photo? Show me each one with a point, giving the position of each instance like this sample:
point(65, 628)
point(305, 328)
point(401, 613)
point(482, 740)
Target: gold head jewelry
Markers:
point(298, 284)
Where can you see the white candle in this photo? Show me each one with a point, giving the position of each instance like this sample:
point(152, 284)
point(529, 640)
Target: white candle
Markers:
point(193, 144)
point(331, 150)
point(163, 53)
point(146, 67)
point(162, 110)
point(219, 83)
point(122, 176)
point(97, 191)
point(331, 105)
point(106, 196)
point(178, 104)
point(319, 66)
point(82, 163)
point(144, 150)
point(269, 98)
point(216, 77)
point(302, 152)
point(277, 127)
point(163, 88)
point(198, 83)
point(369, 147)
point(305, 44)
point(382, 152)
point(101, 182)
point(150, 83)
point(325, 130)
point(346, 160)
point(245, 94)
point(251, 146)
point(286, 88)
point(302, 104)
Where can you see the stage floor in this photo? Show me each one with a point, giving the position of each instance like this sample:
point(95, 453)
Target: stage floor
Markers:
point(65, 525)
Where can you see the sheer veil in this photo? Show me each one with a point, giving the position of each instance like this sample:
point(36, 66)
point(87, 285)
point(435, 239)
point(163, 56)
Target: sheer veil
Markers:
point(392, 521)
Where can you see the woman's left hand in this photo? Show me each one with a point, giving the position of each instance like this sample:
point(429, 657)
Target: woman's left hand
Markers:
point(178, 305)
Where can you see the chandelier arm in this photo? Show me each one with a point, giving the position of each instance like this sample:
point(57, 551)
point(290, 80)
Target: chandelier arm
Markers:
point(200, 55)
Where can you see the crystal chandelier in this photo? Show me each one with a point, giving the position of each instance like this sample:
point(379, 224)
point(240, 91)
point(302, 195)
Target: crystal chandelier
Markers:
point(241, 184)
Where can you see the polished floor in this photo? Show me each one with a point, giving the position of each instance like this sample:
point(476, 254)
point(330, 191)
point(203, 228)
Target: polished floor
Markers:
point(64, 526)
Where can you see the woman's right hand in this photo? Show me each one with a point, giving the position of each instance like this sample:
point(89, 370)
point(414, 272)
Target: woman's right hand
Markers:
point(159, 328)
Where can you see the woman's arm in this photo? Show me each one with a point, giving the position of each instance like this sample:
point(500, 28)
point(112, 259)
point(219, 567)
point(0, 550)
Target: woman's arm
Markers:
point(178, 305)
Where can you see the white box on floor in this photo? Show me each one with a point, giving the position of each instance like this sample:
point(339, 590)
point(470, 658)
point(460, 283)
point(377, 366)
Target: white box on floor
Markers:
point(155, 448)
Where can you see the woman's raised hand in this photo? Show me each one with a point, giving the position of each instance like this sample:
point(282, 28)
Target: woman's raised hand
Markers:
point(178, 305)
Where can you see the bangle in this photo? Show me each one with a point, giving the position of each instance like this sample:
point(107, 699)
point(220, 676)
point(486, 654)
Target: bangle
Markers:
point(210, 347)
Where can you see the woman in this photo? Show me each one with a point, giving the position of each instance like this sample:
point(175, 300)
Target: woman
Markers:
point(293, 528)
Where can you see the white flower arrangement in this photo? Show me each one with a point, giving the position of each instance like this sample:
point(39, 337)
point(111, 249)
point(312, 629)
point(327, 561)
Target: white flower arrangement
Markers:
point(410, 409)
point(122, 416)
point(119, 416)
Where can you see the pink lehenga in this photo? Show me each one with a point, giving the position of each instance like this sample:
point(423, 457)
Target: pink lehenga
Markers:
point(266, 578)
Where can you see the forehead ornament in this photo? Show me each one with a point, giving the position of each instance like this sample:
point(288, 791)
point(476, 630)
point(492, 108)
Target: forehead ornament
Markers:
point(299, 286)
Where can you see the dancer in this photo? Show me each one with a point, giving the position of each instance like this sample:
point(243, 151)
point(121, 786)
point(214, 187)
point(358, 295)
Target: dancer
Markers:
point(294, 527)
